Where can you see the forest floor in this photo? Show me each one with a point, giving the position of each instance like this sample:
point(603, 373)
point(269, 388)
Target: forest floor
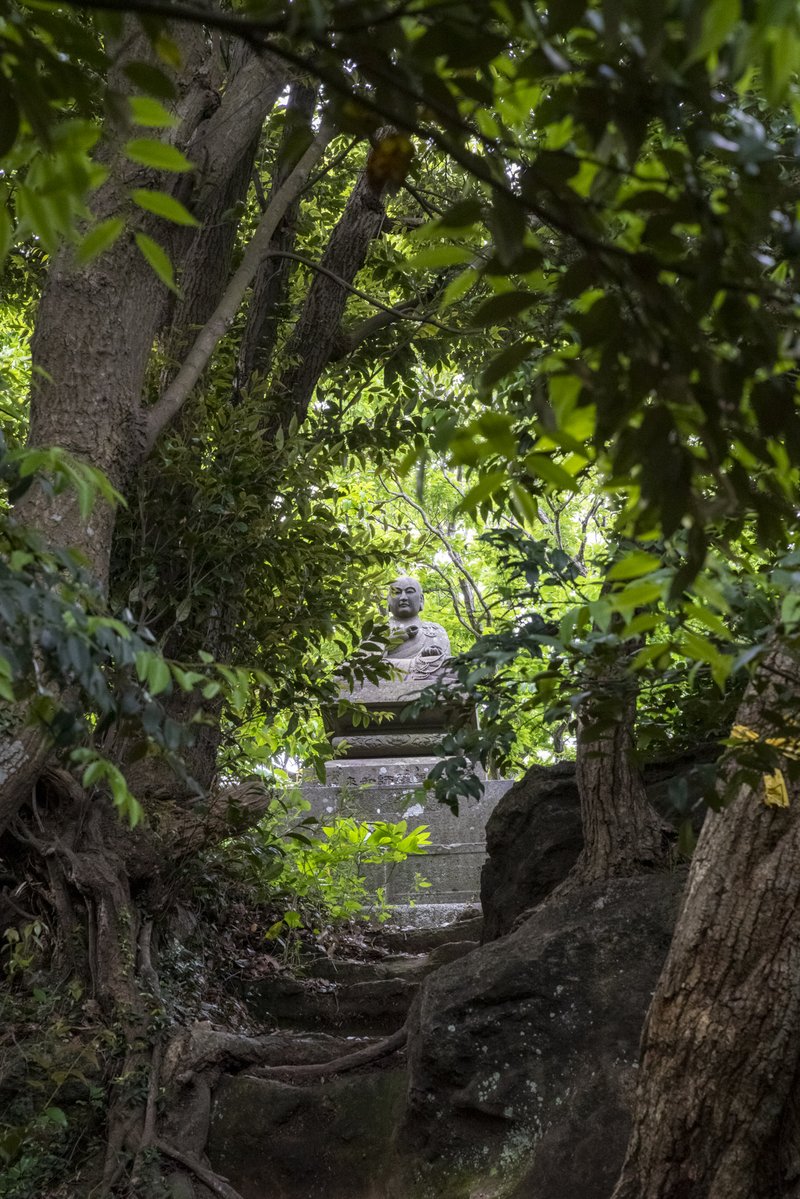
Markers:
point(319, 994)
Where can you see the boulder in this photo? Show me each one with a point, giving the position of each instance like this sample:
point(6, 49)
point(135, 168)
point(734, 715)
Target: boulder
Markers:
point(522, 1054)
point(534, 835)
point(533, 839)
point(332, 1140)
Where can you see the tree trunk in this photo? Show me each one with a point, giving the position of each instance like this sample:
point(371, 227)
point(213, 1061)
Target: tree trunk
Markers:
point(271, 283)
point(622, 833)
point(317, 330)
point(96, 326)
point(716, 1106)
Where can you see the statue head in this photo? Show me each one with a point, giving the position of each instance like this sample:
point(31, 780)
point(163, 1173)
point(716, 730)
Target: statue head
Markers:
point(405, 598)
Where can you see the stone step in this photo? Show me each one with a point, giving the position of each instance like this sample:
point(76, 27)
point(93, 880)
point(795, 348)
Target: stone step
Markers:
point(342, 970)
point(425, 939)
point(276, 1140)
point(335, 994)
point(374, 1004)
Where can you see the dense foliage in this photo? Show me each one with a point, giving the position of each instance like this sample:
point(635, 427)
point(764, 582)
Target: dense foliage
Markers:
point(525, 326)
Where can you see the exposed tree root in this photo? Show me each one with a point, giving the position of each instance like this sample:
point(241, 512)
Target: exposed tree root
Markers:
point(105, 894)
point(213, 1181)
point(199, 1049)
point(339, 1065)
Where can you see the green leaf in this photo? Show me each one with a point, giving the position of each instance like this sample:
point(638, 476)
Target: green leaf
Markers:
point(98, 240)
point(9, 118)
point(508, 304)
point(163, 204)
point(158, 675)
point(463, 212)
point(56, 1116)
point(187, 680)
point(525, 504)
point(6, 234)
point(505, 363)
point(719, 18)
point(651, 653)
point(152, 153)
point(508, 223)
point(183, 609)
point(687, 838)
point(633, 566)
point(711, 621)
point(150, 79)
point(438, 256)
point(540, 466)
point(486, 486)
point(636, 595)
point(151, 113)
point(459, 286)
point(158, 260)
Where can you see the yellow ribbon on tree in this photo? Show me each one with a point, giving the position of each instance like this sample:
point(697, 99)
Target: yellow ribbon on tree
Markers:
point(776, 794)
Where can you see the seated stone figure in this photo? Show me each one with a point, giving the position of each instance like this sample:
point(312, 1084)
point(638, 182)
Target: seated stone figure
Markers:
point(425, 646)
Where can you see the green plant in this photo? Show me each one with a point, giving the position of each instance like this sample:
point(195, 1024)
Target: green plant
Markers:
point(326, 874)
point(23, 946)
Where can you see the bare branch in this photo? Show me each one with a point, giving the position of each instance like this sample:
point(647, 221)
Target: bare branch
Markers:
point(453, 554)
point(349, 1061)
point(472, 628)
point(396, 313)
point(351, 339)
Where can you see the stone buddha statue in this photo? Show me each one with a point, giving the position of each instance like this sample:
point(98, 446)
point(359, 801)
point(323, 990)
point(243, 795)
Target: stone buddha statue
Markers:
point(421, 647)
point(384, 727)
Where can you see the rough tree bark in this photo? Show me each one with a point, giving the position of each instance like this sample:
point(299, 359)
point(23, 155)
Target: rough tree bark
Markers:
point(622, 833)
point(316, 334)
point(716, 1110)
point(271, 282)
point(96, 326)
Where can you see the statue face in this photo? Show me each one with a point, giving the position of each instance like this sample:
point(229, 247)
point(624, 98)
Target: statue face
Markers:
point(405, 598)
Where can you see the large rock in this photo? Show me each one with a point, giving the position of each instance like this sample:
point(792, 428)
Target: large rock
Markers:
point(522, 1054)
point(533, 839)
point(276, 1140)
point(533, 836)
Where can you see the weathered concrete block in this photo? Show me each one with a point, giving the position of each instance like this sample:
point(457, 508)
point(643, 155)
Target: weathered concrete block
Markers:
point(388, 790)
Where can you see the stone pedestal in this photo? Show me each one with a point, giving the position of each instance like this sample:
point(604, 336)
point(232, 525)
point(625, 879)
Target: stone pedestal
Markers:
point(387, 789)
point(386, 749)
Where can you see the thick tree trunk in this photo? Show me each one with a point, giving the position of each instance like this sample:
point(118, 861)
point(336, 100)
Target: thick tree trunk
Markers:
point(95, 329)
point(622, 833)
point(716, 1105)
point(108, 885)
point(96, 326)
point(317, 331)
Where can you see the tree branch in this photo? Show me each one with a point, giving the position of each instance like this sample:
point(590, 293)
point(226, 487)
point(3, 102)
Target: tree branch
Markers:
point(349, 1061)
point(396, 313)
point(454, 557)
point(473, 629)
point(351, 339)
point(271, 281)
point(173, 399)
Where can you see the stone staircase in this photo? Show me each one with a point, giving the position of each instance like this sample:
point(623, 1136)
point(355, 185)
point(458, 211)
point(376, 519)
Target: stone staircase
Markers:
point(330, 1139)
point(330, 994)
